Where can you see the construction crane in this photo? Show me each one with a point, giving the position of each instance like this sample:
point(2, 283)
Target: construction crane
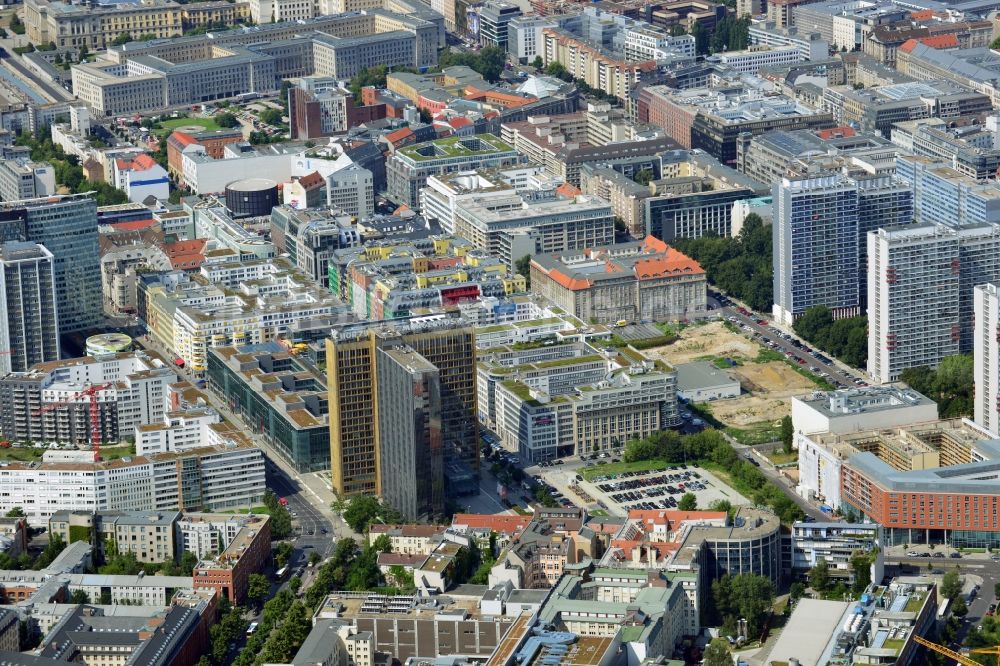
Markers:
point(960, 658)
point(95, 413)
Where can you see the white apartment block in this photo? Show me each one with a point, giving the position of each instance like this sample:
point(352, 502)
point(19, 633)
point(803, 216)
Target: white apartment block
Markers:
point(352, 190)
point(211, 478)
point(819, 470)
point(137, 590)
point(986, 355)
point(204, 533)
point(524, 36)
point(645, 42)
point(921, 284)
point(912, 299)
point(186, 430)
point(751, 61)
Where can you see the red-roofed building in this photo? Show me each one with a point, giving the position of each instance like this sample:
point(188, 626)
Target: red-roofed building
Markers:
point(836, 133)
point(941, 42)
point(214, 143)
point(186, 255)
point(644, 280)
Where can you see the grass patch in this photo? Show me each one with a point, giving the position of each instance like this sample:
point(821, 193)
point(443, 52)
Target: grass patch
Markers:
point(894, 644)
point(762, 434)
point(781, 458)
point(21, 454)
point(168, 126)
point(599, 513)
point(116, 452)
point(617, 468)
point(765, 355)
point(262, 510)
point(724, 364)
point(520, 510)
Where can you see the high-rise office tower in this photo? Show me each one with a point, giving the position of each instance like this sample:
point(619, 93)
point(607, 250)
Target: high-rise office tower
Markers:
point(67, 227)
point(363, 383)
point(410, 431)
point(883, 201)
point(815, 246)
point(986, 357)
point(29, 321)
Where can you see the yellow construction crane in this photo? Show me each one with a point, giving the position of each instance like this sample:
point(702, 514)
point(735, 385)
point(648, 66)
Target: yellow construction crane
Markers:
point(960, 658)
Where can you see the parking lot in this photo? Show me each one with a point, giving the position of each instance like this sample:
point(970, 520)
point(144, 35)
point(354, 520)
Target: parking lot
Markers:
point(659, 488)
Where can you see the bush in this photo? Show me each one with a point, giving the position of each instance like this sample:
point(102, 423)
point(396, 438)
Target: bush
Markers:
point(847, 339)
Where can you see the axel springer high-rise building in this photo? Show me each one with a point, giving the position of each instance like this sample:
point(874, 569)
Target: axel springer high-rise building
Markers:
point(402, 411)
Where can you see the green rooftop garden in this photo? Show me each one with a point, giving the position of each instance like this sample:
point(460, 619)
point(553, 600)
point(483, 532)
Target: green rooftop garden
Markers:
point(915, 603)
point(456, 146)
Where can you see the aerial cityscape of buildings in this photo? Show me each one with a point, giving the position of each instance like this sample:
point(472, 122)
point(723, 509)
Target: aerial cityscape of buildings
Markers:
point(499, 332)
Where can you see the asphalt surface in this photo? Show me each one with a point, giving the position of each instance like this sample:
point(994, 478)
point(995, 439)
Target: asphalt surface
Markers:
point(782, 342)
point(13, 63)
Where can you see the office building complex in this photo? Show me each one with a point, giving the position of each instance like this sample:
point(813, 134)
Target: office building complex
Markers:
point(359, 386)
point(570, 399)
point(282, 397)
point(29, 317)
point(394, 281)
point(836, 543)
point(408, 168)
point(943, 195)
point(713, 119)
point(536, 222)
point(970, 149)
point(146, 76)
point(524, 36)
point(71, 26)
point(645, 280)
point(67, 227)
point(24, 179)
point(868, 408)
point(247, 552)
point(928, 482)
point(494, 18)
point(214, 479)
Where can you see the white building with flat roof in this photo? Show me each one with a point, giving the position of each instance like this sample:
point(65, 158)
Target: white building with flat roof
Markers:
point(868, 408)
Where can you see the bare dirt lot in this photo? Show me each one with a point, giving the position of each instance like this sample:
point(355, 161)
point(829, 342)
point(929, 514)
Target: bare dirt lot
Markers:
point(708, 340)
point(770, 385)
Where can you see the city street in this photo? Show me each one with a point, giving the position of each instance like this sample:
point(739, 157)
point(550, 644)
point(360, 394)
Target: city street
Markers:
point(837, 371)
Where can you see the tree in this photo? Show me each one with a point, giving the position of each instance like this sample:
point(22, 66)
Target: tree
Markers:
point(79, 597)
point(677, 30)
point(283, 553)
point(787, 433)
point(84, 53)
point(258, 587)
point(270, 117)
point(951, 585)
point(281, 520)
point(996, 590)
point(523, 268)
point(688, 502)
point(720, 505)
point(644, 176)
point(489, 62)
point(373, 76)
point(717, 653)
point(819, 576)
point(314, 557)
point(558, 70)
point(958, 607)
point(226, 120)
point(122, 38)
point(537, 63)
point(16, 512)
point(701, 38)
point(295, 584)
point(994, 45)
point(797, 590)
point(16, 25)
point(861, 566)
point(951, 385)
point(361, 510)
point(744, 596)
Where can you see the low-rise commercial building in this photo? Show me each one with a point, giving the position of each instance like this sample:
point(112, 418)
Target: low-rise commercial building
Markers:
point(868, 408)
point(640, 281)
point(702, 381)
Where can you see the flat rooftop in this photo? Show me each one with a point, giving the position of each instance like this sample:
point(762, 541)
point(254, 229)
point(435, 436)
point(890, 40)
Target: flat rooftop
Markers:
point(866, 400)
point(808, 632)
